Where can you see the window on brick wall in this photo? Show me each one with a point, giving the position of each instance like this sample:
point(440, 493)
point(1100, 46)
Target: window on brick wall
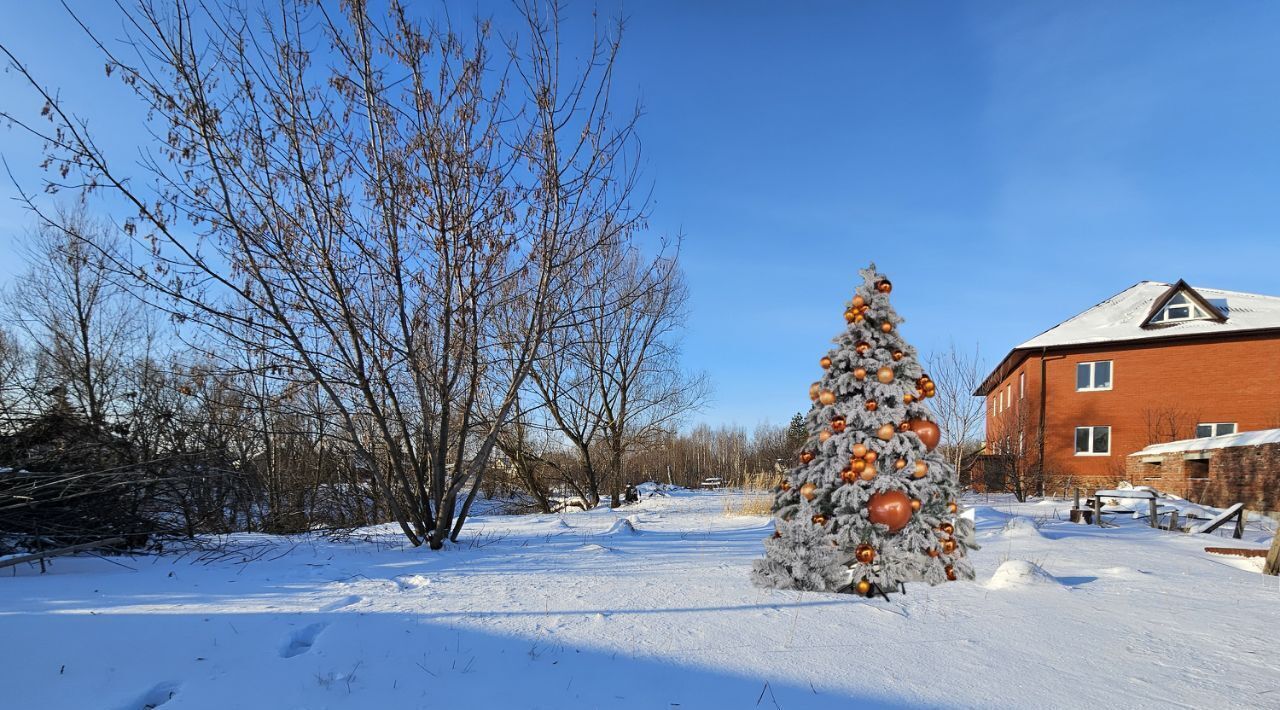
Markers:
point(1215, 429)
point(1093, 441)
point(1093, 376)
point(1022, 385)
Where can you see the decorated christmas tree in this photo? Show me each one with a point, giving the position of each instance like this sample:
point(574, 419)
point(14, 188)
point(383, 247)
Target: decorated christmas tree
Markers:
point(871, 504)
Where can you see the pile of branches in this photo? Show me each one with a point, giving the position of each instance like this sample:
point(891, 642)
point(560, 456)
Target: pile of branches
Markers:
point(65, 481)
point(42, 510)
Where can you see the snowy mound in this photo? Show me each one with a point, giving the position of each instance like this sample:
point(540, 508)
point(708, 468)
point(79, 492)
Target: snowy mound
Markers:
point(622, 527)
point(1021, 527)
point(1016, 574)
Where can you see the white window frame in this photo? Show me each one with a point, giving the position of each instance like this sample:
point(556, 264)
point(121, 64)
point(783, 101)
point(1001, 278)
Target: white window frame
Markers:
point(1213, 428)
point(1022, 385)
point(1091, 452)
point(1008, 395)
point(1194, 312)
point(1093, 371)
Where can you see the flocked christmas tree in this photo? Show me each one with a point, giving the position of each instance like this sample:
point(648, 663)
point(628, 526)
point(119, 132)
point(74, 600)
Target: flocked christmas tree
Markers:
point(870, 503)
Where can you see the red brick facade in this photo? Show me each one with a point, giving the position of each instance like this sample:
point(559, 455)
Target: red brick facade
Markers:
point(1217, 477)
point(1160, 390)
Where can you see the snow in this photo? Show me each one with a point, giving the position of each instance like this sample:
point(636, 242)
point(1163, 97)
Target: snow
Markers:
point(1244, 438)
point(1120, 318)
point(548, 611)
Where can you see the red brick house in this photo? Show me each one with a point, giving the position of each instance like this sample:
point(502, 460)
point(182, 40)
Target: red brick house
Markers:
point(1154, 363)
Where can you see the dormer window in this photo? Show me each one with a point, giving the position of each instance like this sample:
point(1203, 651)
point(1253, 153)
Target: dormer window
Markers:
point(1181, 304)
point(1179, 308)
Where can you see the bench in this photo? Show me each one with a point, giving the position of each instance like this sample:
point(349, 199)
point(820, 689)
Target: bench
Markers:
point(712, 483)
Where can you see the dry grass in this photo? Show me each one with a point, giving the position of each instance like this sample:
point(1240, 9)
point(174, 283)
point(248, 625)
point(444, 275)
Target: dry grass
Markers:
point(757, 495)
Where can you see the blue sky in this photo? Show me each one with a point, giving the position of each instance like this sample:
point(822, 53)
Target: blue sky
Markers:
point(1007, 164)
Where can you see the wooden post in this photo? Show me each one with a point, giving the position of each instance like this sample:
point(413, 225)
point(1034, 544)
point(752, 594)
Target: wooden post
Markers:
point(1155, 522)
point(1240, 518)
point(1173, 520)
point(1097, 510)
point(1273, 557)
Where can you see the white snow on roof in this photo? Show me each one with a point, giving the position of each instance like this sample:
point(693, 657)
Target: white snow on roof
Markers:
point(1120, 317)
point(1244, 438)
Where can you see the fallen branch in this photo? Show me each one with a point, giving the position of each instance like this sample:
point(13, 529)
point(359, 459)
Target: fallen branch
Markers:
point(60, 551)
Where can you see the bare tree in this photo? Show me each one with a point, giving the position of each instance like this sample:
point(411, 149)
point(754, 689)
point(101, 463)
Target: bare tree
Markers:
point(399, 224)
point(1168, 423)
point(81, 326)
point(960, 415)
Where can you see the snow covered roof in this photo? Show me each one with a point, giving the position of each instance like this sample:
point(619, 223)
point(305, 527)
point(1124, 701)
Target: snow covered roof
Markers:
point(1141, 312)
point(1127, 315)
point(1244, 438)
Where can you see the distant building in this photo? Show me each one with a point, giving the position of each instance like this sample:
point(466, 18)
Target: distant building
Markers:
point(1154, 363)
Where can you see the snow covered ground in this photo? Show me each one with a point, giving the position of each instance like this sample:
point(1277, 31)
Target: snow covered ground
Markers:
point(545, 611)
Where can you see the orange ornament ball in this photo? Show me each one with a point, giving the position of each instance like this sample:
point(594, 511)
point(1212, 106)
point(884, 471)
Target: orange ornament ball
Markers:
point(849, 316)
point(870, 457)
point(858, 465)
point(806, 456)
point(824, 435)
point(827, 397)
point(819, 519)
point(886, 432)
point(900, 464)
point(928, 432)
point(862, 347)
point(952, 507)
point(891, 509)
point(785, 485)
point(837, 424)
point(897, 355)
point(865, 554)
point(863, 587)
point(860, 374)
point(884, 375)
point(951, 573)
point(887, 327)
point(921, 469)
point(808, 490)
point(870, 405)
point(847, 475)
point(814, 390)
point(902, 426)
point(908, 398)
point(884, 286)
point(948, 528)
point(825, 362)
point(859, 301)
point(915, 505)
point(948, 546)
point(859, 450)
point(933, 552)
point(868, 473)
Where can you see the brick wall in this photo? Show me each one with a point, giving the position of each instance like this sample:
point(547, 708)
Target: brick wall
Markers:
point(1240, 474)
point(1160, 391)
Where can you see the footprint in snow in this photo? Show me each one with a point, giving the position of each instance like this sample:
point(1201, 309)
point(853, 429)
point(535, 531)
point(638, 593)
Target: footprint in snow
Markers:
point(342, 603)
point(302, 640)
point(155, 697)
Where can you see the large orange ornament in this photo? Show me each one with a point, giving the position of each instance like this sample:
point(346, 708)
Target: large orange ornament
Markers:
point(859, 450)
point(865, 554)
point(827, 397)
point(886, 432)
point(859, 302)
point(860, 374)
point(814, 390)
point(825, 362)
point(928, 432)
point(808, 490)
point(891, 508)
point(884, 375)
point(921, 469)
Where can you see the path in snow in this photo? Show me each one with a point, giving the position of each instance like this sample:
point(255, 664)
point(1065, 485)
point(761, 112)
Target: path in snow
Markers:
point(586, 611)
